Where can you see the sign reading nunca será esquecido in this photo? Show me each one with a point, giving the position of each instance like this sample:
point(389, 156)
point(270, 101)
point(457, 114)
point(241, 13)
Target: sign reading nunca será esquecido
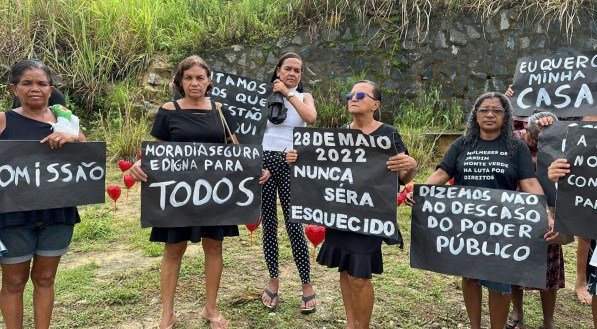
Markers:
point(480, 233)
point(34, 177)
point(576, 203)
point(551, 146)
point(563, 83)
point(341, 181)
point(200, 184)
point(245, 100)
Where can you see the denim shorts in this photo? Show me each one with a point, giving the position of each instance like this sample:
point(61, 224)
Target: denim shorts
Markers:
point(504, 288)
point(42, 239)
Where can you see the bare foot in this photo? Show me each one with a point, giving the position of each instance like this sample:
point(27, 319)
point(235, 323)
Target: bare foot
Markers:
point(273, 285)
point(310, 304)
point(583, 295)
point(168, 321)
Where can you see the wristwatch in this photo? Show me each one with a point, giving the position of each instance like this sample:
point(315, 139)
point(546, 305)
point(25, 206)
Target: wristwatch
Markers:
point(290, 95)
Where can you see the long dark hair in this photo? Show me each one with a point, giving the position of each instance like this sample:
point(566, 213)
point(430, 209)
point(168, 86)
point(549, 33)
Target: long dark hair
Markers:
point(473, 131)
point(20, 67)
point(186, 64)
point(284, 57)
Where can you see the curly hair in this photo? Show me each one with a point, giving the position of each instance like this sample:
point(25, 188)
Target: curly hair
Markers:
point(20, 67)
point(473, 131)
point(186, 64)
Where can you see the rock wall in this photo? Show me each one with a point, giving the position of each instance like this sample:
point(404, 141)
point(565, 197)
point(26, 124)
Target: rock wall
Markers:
point(462, 55)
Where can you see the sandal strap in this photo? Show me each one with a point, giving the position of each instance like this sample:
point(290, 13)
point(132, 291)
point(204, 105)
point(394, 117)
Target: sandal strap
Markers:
point(513, 323)
point(270, 294)
point(307, 299)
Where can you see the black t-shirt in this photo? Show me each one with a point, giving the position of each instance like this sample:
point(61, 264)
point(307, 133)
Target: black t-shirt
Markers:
point(488, 163)
point(192, 125)
point(387, 130)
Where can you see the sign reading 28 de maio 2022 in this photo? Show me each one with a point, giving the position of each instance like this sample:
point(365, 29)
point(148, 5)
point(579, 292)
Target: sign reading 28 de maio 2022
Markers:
point(33, 177)
point(576, 201)
point(245, 101)
point(480, 233)
point(341, 181)
point(563, 83)
point(200, 184)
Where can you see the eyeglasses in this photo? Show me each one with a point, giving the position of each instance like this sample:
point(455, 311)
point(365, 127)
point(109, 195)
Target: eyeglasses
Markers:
point(360, 95)
point(495, 111)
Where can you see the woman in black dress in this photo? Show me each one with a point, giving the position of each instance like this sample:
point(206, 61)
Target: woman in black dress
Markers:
point(355, 255)
point(193, 118)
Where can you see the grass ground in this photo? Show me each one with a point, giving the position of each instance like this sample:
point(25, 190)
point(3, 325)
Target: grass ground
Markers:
point(110, 279)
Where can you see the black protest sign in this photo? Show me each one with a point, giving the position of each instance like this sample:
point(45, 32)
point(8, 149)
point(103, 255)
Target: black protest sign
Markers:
point(245, 102)
point(564, 84)
point(341, 181)
point(576, 204)
point(34, 177)
point(552, 142)
point(194, 184)
point(480, 233)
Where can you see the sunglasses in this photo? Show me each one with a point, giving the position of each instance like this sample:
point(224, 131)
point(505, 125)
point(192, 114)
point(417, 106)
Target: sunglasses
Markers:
point(360, 95)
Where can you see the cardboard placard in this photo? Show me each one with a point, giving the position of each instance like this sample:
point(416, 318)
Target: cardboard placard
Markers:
point(245, 101)
point(563, 83)
point(480, 233)
point(200, 184)
point(35, 177)
point(576, 204)
point(551, 146)
point(341, 181)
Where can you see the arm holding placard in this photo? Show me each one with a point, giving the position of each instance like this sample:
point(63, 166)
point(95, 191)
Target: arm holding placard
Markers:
point(404, 165)
point(531, 185)
point(558, 169)
point(439, 177)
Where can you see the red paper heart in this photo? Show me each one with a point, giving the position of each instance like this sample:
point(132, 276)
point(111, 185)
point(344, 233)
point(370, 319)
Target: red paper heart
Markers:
point(253, 227)
point(128, 181)
point(124, 165)
point(315, 234)
point(114, 192)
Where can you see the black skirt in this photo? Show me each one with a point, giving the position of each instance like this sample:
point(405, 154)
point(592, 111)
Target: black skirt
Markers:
point(192, 233)
point(357, 254)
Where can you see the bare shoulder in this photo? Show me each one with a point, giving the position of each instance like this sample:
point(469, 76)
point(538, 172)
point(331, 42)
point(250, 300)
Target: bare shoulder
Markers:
point(168, 106)
point(307, 95)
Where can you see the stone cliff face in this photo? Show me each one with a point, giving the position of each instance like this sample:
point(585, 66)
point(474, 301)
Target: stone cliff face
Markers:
point(463, 55)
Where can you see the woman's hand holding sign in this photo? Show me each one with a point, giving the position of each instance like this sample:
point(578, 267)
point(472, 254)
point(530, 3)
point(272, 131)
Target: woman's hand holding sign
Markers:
point(291, 156)
point(558, 169)
point(57, 139)
point(401, 162)
point(137, 173)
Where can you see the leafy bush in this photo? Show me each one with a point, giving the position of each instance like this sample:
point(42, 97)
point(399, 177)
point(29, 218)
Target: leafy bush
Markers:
point(121, 126)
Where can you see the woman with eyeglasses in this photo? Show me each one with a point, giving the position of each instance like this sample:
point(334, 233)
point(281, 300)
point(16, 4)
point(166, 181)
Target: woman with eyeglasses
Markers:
point(276, 141)
point(358, 256)
point(489, 131)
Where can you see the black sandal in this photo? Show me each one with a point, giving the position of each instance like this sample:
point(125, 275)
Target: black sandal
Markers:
point(513, 323)
point(305, 300)
point(272, 296)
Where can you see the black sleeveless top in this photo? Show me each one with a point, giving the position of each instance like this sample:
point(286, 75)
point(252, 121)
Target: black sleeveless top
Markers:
point(19, 127)
point(193, 125)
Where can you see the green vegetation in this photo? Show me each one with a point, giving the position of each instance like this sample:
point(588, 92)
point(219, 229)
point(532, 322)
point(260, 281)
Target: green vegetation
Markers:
point(107, 280)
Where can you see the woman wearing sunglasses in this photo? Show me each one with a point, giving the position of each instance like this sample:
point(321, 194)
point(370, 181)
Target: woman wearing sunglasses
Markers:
point(489, 132)
point(358, 256)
